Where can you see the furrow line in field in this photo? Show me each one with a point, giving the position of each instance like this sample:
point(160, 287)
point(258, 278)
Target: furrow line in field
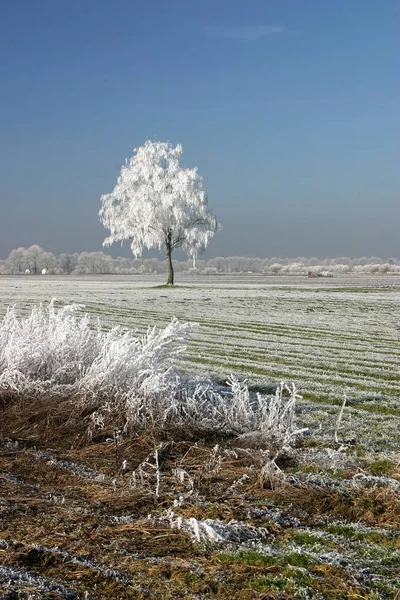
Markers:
point(263, 328)
point(327, 337)
point(277, 354)
point(275, 337)
point(279, 371)
point(303, 331)
point(275, 342)
point(327, 347)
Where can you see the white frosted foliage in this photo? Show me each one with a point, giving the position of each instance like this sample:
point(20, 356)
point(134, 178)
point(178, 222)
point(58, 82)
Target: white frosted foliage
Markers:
point(157, 202)
point(57, 352)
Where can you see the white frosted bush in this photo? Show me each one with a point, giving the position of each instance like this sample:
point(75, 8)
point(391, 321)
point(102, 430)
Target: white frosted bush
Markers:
point(56, 352)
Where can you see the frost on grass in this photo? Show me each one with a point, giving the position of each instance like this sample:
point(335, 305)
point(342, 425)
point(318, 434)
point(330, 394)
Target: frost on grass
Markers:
point(56, 353)
point(12, 580)
point(216, 532)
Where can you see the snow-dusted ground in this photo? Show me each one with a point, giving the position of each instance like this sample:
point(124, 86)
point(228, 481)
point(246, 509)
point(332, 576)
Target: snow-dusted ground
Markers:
point(328, 527)
point(330, 336)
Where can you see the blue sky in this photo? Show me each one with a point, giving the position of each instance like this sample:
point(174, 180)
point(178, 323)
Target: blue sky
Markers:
point(288, 108)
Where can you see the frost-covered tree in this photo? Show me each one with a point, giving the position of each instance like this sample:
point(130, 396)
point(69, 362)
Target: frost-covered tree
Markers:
point(48, 262)
point(34, 256)
point(95, 263)
point(157, 203)
point(16, 262)
point(68, 262)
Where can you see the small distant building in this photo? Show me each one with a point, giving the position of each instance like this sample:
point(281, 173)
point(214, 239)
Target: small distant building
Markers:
point(27, 272)
point(44, 271)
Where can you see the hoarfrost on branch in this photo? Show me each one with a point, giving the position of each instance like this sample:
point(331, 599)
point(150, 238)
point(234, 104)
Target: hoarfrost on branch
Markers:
point(157, 203)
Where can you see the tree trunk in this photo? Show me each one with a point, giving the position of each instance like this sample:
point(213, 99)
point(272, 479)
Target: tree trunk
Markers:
point(170, 280)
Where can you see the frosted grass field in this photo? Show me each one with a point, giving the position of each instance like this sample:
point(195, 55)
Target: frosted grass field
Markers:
point(330, 336)
point(193, 505)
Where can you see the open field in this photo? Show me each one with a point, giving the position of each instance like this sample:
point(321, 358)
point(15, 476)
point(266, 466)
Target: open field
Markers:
point(167, 513)
point(330, 336)
point(74, 527)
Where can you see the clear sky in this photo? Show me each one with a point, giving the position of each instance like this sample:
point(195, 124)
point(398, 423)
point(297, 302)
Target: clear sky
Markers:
point(290, 109)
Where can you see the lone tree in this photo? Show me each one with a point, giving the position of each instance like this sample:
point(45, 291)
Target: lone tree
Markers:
point(157, 203)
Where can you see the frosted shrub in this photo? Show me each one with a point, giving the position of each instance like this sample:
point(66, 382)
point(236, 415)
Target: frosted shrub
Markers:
point(259, 417)
point(272, 417)
point(55, 352)
point(48, 350)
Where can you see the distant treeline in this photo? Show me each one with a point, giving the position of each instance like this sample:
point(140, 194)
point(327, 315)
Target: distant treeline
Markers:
point(35, 260)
